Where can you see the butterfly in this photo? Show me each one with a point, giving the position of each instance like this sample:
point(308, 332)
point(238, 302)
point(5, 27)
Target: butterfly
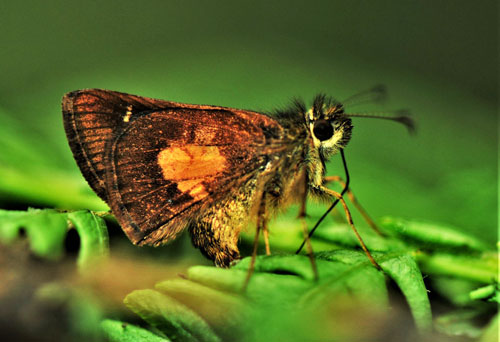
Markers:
point(163, 166)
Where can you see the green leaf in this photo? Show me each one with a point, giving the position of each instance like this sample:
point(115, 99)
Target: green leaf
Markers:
point(224, 312)
point(285, 287)
point(277, 294)
point(490, 293)
point(45, 229)
point(432, 234)
point(459, 323)
point(298, 265)
point(454, 289)
point(354, 276)
point(405, 272)
point(94, 245)
point(482, 268)
point(117, 331)
point(347, 256)
point(46, 232)
point(342, 234)
point(174, 319)
point(11, 223)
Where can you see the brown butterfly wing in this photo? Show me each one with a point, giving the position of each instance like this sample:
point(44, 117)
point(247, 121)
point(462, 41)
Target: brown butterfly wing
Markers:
point(90, 118)
point(160, 165)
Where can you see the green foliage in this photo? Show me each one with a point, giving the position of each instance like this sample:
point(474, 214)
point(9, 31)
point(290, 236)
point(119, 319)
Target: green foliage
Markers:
point(46, 231)
point(167, 315)
point(429, 234)
point(117, 331)
point(279, 302)
point(93, 237)
point(282, 295)
point(489, 293)
point(404, 271)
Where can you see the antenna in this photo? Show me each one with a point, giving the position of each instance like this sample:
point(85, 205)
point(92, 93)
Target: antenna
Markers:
point(376, 94)
point(401, 116)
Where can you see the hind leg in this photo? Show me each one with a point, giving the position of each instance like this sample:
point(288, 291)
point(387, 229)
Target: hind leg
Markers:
point(354, 201)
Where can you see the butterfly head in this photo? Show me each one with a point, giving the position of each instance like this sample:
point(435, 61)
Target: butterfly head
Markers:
point(330, 129)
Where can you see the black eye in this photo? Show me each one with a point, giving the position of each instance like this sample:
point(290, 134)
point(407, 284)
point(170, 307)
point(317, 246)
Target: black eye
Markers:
point(323, 130)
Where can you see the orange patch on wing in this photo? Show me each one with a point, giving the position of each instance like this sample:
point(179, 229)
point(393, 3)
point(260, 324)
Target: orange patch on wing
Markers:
point(194, 187)
point(191, 162)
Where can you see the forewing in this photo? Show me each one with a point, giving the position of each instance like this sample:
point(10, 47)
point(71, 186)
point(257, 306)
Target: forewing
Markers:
point(91, 118)
point(157, 163)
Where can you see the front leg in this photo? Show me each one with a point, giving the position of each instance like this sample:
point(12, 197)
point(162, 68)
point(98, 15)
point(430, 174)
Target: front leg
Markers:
point(354, 201)
point(323, 191)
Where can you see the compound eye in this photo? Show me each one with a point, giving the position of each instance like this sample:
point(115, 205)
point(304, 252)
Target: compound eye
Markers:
point(323, 130)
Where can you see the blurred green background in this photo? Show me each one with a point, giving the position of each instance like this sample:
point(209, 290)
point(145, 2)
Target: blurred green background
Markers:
point(439, 59)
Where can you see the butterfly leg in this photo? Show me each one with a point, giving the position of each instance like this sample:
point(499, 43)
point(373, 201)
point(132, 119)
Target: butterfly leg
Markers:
point(324, 191)
point(303, 200)
point(309, 248)
point(302, 217)
point(265, 232)
point(261, 226)
point(355, 202)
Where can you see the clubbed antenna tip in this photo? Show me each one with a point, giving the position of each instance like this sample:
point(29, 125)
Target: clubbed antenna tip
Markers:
point(406, 120)
point(402, 116)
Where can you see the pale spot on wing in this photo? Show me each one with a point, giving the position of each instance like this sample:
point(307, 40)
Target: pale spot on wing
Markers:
point(191, 162)
point(194, 187)
point(128, 114)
